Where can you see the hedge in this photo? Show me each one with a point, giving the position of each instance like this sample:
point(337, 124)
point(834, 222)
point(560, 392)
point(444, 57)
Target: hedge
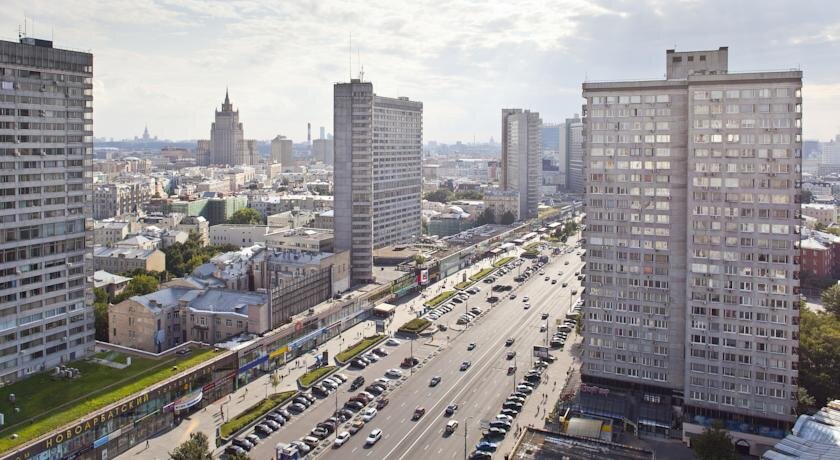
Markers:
point(464, 284)
point(503, 261)
point(482, 273)
point(236, 424)
point(358, 348)
point(414, 326)
point(440, 298)
point(311, 377)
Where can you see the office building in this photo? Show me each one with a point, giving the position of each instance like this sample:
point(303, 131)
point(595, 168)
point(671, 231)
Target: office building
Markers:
point(574, 154)
point(227, 144)
point(378, 149)
point(281, 152)
point(692, 243)
point(521, 157)
point(322, 150)
point(45, 211)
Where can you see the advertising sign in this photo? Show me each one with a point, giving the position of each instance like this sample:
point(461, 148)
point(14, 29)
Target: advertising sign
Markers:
point(540, 352)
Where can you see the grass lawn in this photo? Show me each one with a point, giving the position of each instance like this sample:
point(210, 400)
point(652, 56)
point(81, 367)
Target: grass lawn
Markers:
point(309, 378)
point(440, 298)
point(53, 402)
point(464, 284)
point(502, 261)
point(482, 273)
point(533, 246)
point(414, 326)
point(254, 412)
point(358, 348)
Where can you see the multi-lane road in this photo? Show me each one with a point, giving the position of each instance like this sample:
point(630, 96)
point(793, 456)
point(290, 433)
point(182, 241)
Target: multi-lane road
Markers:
point(479, 391)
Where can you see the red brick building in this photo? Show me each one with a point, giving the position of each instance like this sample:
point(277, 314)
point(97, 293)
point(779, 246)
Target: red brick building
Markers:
point(817, 258)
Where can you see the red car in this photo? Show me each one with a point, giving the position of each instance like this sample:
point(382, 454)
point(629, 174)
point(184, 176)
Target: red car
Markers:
point(382, 403)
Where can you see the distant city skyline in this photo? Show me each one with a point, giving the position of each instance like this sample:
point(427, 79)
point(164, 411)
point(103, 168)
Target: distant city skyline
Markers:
point(163, 64)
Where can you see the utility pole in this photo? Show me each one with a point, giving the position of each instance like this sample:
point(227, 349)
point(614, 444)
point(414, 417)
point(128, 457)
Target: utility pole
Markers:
point(466, 423)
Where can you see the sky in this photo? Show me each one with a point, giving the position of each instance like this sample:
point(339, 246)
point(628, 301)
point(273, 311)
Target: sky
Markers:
point(166, 63)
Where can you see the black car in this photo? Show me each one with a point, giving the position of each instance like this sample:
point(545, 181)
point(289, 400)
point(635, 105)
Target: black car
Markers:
point(357, 382)
point(243, 443)
point(320, 391)
point(358, 364)
point(450, 409)
point(354, 405)
point(374, 390)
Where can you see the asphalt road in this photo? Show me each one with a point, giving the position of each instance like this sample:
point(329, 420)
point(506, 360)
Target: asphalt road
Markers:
point(479, 391)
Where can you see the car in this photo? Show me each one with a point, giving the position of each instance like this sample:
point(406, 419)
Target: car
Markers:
point(371, 357)
point(451, 426)
point(512, 296)
point(358, 364)
point(374, 390)
point(512, 405)
point(302, 448)
point(509, 341)
point(303, 401)
point(574, 291)
point(547, 278)
point(481, 455)
point(364, 397)
point(329, 425)
point(566, 263)
point(496, 432)
point(511, 412)
point(492, 299)
point(553, 281)
point(435, 380)
point(500, 424)
point(393, 373)
point(344, 414)
point(409, 362)
point(329, 383)
point(380, 351)
point(242, 443)
point(465, 365)
point(418, 412)
point(276, 418)
point(354, 405)
point(554, 343)
point(263, 429)
point(341, 439)
point(457, 300)
point(284, 413)
point(526, 306)
point(382, 381)
point(544, 316)
point(524, 388)
point(356, 426)
point(392, 342)
point(233, 449)
point(373, 437)
point(252, 438)
point(543, 328)
point(518, 399)
point(364, 359)
point(319, 432)
point(462, 320)
point(471, 346)
point(504, 417)
point(451, 409)
point(525, 299)
point(475, 310)
point(357, 382)
point(369, 414)
point(382, 403)
point(487, 446)
point(511, 354)
point(311, 441)
point(341, 377)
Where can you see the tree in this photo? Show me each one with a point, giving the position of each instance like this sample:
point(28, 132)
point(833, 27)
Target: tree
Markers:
point(276, 378)
point(486, 217)
point(819, 354)
point(238, 456)
point(831, 299)
point(820, 227)
point(100, 314)
point(804, 401)
point(714, 444)
point(182, 258)
point(195, 448)
point(467, 195)
point(441, 195)
point(507, 218)
point(139, 285)
point(807, 196)
point(247, 216)
point(419, 259)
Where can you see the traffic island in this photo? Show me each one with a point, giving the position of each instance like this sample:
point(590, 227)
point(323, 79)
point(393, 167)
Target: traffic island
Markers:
point(440, 298)
point(310, 378)
point(358, 348)
point(483, 273)
point(245, 419)
point(502, 262)
point(415, 326)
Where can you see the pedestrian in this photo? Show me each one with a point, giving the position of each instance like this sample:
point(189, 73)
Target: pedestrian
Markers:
point(147, 444)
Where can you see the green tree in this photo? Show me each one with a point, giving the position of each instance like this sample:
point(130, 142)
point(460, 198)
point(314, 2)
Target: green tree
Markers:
point(100, 314)
point(820, 227)
point(714, 444)
point(195, 448)
point(507, 218)
point(468, 195)
point(440, 195)
point(819, 354)
point(831, 299)
point(807, 196)
point(804, 401)
point(139, 285)
point(419, 259)
point(182, 258)
point(249, 216)
point(486, 217)
point(238, 456)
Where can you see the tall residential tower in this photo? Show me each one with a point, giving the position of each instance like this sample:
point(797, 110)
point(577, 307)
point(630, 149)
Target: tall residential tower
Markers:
point(378, 147)
point(692, 242)
point(46, 141)
point(522, 158)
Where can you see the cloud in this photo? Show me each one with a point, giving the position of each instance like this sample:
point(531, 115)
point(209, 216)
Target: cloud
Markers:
point(167, 62)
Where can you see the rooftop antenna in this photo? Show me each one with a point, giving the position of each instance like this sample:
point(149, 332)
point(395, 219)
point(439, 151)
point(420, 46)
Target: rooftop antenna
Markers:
point(350, 55)
point(361, 66)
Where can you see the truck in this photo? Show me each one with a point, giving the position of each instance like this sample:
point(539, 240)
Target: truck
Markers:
point(285, 451)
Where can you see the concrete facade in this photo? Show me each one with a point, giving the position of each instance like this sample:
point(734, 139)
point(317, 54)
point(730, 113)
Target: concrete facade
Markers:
point(121, 260)
point(825, 214)
point(227, 144)
point(46, 314)
point(281, 152)
point(692, 245)
point(574, 155)
point(521, 157)
point(378, 148)
point(114, 200)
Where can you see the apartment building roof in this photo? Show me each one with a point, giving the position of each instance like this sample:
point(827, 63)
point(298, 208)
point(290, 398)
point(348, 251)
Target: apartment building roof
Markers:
point(124, 253)
point(102, 278)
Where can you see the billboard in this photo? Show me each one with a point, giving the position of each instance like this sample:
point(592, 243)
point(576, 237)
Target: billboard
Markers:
point(423, 277)
point(540, 352)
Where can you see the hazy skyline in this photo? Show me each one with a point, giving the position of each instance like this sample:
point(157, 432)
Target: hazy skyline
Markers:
point(166, 63)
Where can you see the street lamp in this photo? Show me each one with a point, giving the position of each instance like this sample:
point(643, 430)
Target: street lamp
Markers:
point(466, 422)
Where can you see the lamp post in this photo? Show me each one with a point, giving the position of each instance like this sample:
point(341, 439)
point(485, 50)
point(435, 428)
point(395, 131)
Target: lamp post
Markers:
point(466, 422)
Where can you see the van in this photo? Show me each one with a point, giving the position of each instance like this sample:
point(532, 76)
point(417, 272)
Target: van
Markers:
point(451, 426)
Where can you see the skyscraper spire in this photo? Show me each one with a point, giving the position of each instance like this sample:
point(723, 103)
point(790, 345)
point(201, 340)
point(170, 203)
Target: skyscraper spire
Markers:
point(226, 106)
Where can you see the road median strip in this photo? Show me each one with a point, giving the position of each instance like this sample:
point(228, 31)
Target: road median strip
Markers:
point(251, 415)
point(358, 348)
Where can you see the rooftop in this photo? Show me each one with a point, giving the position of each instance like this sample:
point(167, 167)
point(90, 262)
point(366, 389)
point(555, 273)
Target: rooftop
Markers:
point(102, 278)
point(125, 253)
point(544, 445)
point(813, 436)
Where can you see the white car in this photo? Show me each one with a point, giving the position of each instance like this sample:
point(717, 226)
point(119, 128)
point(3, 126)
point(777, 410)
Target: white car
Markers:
point(392, 342)
point(371, 357)
point(374, 436)
point(393, 373)
point(341, 439)
point(383, 381)
point(525, 299)
point(369, 414)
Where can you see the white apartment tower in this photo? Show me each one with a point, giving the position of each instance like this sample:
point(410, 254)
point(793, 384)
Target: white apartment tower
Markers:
point(378, 148)
point(522, 158)
point(46, 141)
point(692, 244)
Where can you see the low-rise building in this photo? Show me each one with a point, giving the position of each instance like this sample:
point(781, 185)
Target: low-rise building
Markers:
point(138, 242)
point(825, 214)
point(291, 219)
point(325, 220)
point(501, 202)
point(111, 283)
point(109, 232)
point(121, 260)
point(812, 437)
point(817, 258)
point(113, 200)
point(163, 319)
point(197, 224)
point(239, 234)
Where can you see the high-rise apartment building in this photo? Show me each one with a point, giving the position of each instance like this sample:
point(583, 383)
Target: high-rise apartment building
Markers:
point(692, 245)
point(322, 150)
point(554, 155)
point(522, 157)
point(377, 179)
point(574, 154)
point(227, 144)
point(281, 151)
point(46, 141)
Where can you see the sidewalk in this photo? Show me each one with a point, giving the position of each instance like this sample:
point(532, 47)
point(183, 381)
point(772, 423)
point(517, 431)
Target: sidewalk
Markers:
point(208, 419)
